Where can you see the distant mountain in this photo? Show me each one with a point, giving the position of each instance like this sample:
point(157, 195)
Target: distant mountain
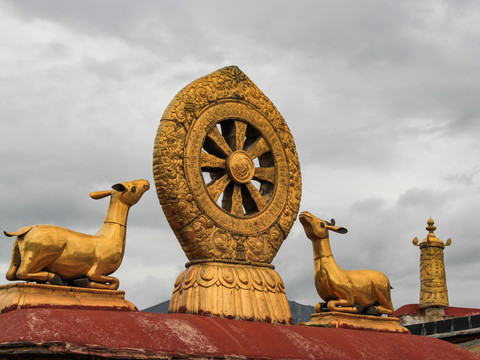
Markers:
point(161, 308)
point(299, 312)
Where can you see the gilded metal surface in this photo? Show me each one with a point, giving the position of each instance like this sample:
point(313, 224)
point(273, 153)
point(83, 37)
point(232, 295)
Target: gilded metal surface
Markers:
point(433, 283)
point(226, 170)
point(228, 179)
point(344, 290)
point(28, 295)
point(235, 291)
point(55, 255)
point(354, 321)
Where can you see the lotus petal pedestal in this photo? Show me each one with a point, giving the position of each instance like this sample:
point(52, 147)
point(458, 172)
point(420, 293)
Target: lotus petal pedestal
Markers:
point(232, 291)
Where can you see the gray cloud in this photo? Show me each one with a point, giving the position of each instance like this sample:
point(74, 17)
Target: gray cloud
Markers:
point(381, 97)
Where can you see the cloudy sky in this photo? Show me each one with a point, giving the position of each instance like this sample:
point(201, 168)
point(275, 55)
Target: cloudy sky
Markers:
point(382, 99)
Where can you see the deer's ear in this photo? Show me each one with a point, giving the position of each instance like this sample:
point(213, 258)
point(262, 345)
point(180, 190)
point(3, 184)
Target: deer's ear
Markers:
point(342, 230)
point(119, 187)
point(332, 222)
point(100, 194)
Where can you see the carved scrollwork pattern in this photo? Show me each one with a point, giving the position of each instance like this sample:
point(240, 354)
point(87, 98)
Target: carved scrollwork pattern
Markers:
point(223, 126)
point(172, 188)
point(433, 284)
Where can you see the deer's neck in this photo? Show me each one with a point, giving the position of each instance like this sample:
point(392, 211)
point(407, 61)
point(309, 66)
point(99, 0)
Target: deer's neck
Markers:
point(115, 222)
point(322, 253)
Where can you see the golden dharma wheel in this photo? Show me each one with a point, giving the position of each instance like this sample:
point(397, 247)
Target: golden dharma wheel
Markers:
point(226, 170)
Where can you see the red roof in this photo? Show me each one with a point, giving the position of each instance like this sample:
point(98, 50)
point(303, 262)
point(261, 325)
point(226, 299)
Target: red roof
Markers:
point(412, 309)
point(68, 332)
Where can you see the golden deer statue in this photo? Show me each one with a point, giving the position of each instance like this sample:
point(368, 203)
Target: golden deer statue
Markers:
point(48, 253)
point(351, 291)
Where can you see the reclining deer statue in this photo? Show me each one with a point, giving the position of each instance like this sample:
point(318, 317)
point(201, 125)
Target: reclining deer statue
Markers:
point(351, 291)
point(55, 255)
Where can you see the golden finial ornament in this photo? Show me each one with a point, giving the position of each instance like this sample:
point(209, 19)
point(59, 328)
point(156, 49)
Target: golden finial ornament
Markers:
point(433, 283)
point(228, 179)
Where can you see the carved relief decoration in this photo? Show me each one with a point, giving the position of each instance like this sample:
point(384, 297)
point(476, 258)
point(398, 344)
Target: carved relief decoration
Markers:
point(228, 179)
point(226, 170)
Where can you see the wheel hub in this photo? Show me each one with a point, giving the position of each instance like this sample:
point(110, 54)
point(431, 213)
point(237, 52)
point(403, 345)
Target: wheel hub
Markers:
point(240, 167)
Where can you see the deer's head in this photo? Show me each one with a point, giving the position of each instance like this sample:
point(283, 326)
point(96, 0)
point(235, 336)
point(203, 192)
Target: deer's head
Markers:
point(316, 228)
point(128, 192)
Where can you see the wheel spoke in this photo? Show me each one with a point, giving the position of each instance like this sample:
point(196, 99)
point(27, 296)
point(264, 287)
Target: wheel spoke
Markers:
point(237, 200)
point(217, 187)
point(228, 132)
point(265, 174)
point(219, 141)
point(211, 162)
point(238, 197)
point(214, 176)
point(240, 129)
point(260, 202)
point(227, 198)
point(259, 148)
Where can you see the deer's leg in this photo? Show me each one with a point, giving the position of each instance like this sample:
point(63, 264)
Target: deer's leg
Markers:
point(377, 310)
point(102, 281)
point(344, 301)
point(383, 296)
point(319, 307)
point(32, 268)
point(16, 260)
point(384, 310)
point(342, 305)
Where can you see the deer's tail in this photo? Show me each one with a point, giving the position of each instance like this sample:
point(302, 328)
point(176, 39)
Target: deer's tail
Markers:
point(19, 233)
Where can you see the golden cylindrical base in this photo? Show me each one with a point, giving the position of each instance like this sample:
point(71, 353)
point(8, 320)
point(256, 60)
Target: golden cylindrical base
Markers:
point(30, 295)
point(231, 290)
point(354, 321)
